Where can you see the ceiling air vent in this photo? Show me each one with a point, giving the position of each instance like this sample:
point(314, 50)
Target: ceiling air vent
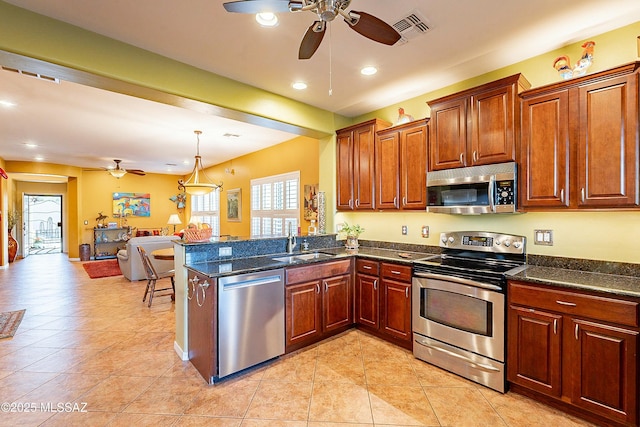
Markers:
point(30, 74)
point(411, 26)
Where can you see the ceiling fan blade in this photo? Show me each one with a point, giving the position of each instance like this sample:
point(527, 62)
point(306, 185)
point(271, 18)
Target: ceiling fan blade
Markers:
point(136, 172)
point(257, 6)
point(374, 28)
point(311, 40)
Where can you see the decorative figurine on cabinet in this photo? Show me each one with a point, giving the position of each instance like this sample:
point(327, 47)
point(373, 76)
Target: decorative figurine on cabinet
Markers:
point(562, 64)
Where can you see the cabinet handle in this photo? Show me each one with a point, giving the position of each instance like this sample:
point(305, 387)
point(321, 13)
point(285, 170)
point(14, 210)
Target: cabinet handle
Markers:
point(326, 287)
point(562, 195)
point(555, 326)
point(582, 194)
point(367, 267)
point(576, 331)
point(375, 285)
point(395, 272)
point(570, 304)
point(406, 292)
point(357, 203)
point(317, 288)
point(461, 158)
point(350, 204)
point(395, 201)
point(475, 156)
point(404, 201)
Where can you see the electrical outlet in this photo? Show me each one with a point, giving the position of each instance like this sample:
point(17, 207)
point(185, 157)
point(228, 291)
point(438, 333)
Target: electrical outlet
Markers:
point(225, 251)
point(425, 231)
point(543, 237)
point(405, 230)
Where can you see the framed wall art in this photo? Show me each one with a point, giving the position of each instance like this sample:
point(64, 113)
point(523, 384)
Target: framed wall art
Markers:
point(131, 204)
point(234, 205)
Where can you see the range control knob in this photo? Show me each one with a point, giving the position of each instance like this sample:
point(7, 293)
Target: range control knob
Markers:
point(517, 245)
point(498, 242)
point(451, 239)
point(444, 239)
point(507, 243)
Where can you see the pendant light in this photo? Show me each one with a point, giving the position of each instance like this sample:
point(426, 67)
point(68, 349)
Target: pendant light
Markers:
point(198, 183)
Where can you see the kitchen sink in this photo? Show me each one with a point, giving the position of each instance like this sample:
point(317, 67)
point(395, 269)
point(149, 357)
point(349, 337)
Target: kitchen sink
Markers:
point(303, 257)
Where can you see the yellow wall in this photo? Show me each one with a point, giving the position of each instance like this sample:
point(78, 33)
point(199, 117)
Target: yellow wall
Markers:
point(297, 154)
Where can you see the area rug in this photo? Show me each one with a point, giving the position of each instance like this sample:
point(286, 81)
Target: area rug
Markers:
point(9, 322)
point(97, 269)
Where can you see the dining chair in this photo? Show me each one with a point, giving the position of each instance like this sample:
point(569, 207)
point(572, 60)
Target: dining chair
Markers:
point(153, 276)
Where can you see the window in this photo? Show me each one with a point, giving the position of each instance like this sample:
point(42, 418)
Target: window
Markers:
point(205, 209)
point(274, 204)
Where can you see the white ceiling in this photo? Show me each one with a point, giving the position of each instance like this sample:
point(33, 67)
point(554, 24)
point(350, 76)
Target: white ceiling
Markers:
point(88, 127)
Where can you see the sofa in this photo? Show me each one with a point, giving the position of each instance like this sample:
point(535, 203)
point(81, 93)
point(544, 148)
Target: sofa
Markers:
point(129, 258)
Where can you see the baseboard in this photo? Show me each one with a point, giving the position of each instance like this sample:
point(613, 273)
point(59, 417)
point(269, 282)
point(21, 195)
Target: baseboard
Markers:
point(183, 355)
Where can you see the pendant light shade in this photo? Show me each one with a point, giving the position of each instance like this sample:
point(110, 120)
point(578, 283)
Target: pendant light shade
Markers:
point(198, 182)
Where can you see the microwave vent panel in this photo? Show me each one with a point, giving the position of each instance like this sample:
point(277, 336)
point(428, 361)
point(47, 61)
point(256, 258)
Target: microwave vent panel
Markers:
point(411, 26)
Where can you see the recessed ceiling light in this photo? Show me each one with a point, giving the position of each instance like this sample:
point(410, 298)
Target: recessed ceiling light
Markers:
point(369, 71)
point(299, 85)
point(30, 145)
point(39, 158)
point(7, 104)
point(267, 19)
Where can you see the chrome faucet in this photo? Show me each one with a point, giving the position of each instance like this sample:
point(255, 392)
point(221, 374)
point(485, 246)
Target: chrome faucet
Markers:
point(291, 241)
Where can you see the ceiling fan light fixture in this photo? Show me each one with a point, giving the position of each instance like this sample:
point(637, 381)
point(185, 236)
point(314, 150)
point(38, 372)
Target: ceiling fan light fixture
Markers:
point(267, 19)
point(198, 182)
point(117, 173)
point(368, 70)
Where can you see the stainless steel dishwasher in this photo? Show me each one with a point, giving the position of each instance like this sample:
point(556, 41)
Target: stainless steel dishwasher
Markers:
point(250, 320)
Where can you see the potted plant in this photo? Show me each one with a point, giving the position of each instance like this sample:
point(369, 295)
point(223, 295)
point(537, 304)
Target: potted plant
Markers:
point(352, 233)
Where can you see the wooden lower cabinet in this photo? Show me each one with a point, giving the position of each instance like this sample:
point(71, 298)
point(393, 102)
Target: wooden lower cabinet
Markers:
point(383, 300)
point(202, 324)
point(577, 350)
point(318, 302)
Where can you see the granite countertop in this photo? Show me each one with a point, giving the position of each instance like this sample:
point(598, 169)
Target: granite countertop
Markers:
point(613, 284)
point(268, 262)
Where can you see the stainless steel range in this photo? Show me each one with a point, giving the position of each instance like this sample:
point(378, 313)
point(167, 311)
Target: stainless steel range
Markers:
point(459, 304)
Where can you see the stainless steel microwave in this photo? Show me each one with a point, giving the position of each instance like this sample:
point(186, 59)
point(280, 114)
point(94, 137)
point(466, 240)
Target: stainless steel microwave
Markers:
point(474, 190)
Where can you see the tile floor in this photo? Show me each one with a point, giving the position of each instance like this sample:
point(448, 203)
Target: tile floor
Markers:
point(94, 343)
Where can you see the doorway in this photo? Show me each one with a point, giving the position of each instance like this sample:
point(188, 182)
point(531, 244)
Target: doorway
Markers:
point(42, 224)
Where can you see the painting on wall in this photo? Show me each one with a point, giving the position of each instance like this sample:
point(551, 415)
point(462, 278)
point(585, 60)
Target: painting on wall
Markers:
point(310, 201)
point(131, 204)
point(234, 205)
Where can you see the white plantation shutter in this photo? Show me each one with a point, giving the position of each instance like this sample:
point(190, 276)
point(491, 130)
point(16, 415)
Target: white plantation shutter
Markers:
point(275, 204)
point(205, 209)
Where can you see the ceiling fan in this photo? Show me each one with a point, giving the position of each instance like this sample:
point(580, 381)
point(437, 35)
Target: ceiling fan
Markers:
point(363, 23)
point(118, 171)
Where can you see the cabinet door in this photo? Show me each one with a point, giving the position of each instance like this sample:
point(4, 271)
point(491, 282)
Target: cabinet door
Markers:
point(604, 370)
point(336, 302)
point(545, 151)
point(367, 302)
point(534, 350)
point(492, 133)
point(607, 149)
point(202, 314)
point(344, 167)
point(448, 135)
point(303, 312)
point(388, 170)
point(396, 309)
point(363, 167)
point(413, 172)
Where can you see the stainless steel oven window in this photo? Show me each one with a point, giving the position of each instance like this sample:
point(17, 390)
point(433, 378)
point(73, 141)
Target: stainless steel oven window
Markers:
point(458, 311)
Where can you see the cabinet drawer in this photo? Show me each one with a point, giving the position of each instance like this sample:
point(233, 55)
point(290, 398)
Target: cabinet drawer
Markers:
point(317, 271)
point(366, 266)
point(596, 307)
point(396, 272)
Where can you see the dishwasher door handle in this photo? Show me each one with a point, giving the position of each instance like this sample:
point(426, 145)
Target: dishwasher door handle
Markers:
point(251, 282)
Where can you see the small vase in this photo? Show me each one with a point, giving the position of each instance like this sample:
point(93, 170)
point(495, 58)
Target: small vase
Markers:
point(351, 242)
point(13, 247)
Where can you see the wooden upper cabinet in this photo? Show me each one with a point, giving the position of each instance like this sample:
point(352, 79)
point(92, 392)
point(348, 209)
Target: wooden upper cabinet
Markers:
point(356, 165)
point(608, 145)
point(579, 142)
point(477, 126)
point(401, 166)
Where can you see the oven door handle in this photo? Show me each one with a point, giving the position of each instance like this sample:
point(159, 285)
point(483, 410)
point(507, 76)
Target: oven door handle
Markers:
point(482, 366)
point(459, 280)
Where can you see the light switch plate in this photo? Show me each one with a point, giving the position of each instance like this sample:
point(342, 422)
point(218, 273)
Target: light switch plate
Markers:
point(543, 237)
point(405, 230)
